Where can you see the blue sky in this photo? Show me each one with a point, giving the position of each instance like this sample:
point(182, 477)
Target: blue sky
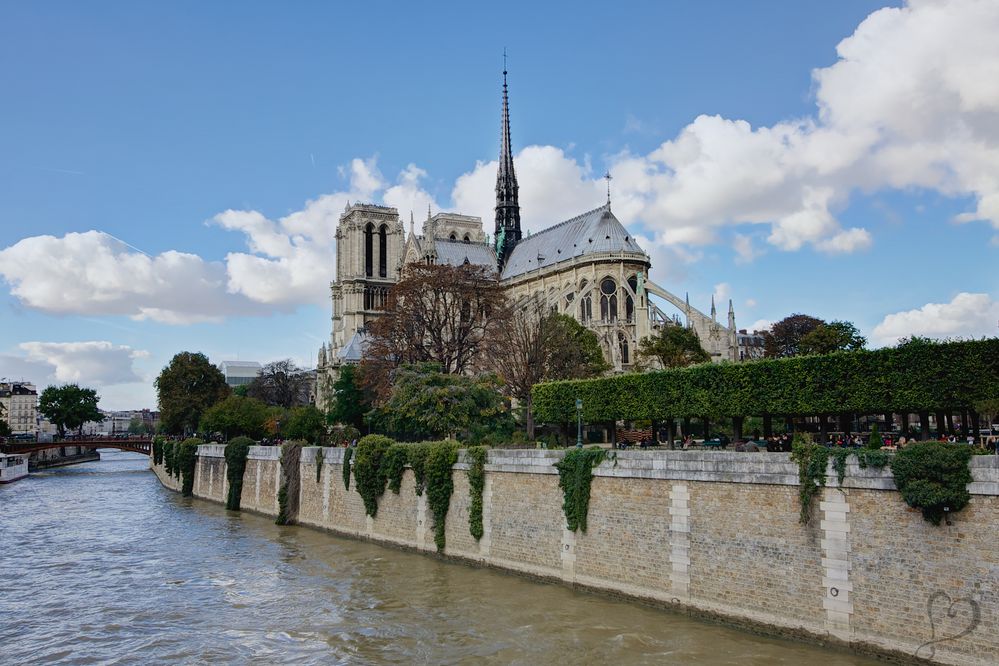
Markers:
point(212, 146)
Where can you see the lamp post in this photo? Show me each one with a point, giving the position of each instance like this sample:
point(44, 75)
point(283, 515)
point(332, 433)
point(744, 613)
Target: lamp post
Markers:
point(579, 423)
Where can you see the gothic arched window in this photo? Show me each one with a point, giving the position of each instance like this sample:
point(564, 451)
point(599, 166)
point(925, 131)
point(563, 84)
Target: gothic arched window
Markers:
point(623, 345)
point(382, 252)
point(629, 307)
point(369, 250)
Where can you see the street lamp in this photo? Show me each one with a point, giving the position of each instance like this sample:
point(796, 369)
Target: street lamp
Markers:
point(579, 423)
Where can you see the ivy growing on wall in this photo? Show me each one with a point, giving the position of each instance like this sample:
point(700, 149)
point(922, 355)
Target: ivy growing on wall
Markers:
point(812, 462)
point(418, 461)
point(185, 460)
point(575, 473)
point(288, 495)
point(476, 458)
point(368, 474)
point(440, 459)
point(236, 452)
point(933, 476)
point(168, 448)
point(158, 449)
point(394, 465)
point(319, 464)
point(347, 455)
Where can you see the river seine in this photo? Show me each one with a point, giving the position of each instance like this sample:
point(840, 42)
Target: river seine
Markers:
point(101, 565)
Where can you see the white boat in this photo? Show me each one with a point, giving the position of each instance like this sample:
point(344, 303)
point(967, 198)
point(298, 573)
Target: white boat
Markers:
point(13, 466)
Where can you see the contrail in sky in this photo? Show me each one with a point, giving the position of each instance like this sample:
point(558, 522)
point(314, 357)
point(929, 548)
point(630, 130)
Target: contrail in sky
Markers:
point(126, 244)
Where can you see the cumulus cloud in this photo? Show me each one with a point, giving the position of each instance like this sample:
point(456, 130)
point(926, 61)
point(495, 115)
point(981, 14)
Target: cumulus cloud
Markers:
point(93, 273)
point(966, 315)
point(92, 363)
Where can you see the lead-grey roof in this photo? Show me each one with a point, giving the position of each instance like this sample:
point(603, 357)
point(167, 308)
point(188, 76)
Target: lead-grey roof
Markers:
point(456, 253)
point(354, 349)
point(594, 231)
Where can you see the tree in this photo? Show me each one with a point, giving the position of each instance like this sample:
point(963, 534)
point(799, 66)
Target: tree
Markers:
point(533, 344)
point(832, 337)
point(69, 406)
point(137, 427)
point(673, 347)
point(436, 313)
point(234, 416)
point(185, 388)
point(5, 430)
point(280, 383)
point(350, 403)
point(784, 337)
point(306, 423)
point(425, 400)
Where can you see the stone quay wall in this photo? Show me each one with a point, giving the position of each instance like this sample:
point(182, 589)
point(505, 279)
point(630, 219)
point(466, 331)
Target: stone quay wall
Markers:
point(708, 533)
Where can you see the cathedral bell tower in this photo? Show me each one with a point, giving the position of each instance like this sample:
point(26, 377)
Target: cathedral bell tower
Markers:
point(507, 202)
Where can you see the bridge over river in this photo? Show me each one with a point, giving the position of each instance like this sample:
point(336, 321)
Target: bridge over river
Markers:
point(135, 444)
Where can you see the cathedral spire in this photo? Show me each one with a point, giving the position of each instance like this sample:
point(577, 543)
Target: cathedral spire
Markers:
point(507, 202)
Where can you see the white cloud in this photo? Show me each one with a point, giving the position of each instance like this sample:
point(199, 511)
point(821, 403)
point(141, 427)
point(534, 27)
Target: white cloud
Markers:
point(93, 363)
point(93, 273)
point(966, 315)
point(721, 294)
point(750, 302)
point(745, 251)
point(760, 325)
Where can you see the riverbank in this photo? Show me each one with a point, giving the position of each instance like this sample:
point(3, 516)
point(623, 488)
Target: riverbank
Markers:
point(62, 460)
point(710, 533)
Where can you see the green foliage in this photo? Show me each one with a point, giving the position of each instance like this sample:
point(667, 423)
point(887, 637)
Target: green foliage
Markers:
point(784, 337)
point(342, 435)
point(158, 441)
point(812, 460)
point(872, 458)
point(912, 377)
point(168, 450)
point(575, 473)
point(5, 430)
point(440, 460)
point(673, 347)
point(875, 441)
point(69, 406)
point(320, 458)
point(306, 423)
point(185, 388)
point(368, 473)
point(832, 337)
point(186, 459)
point(574, 350)
point(476, 458)
point(236, 416)
point(350, 403)
point(347, 455)
point(418, 461)
point(236, 452)
point(288, 494)
point(932, 476)
point(394, 465)
point(425, 400)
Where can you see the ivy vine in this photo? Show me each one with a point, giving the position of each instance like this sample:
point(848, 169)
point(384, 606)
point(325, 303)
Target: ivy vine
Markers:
point(368, 474)
point(236, 452)
point(812, 461)
point(158, 450)
point(288, 495)
point(933, 477)
point(440, 459)
point(418, 461)
point(185, 461)
point(575, 473)
point(394, 465)
point(319, 464)
point(168, 448)
point(347, 455)
point(476, 457)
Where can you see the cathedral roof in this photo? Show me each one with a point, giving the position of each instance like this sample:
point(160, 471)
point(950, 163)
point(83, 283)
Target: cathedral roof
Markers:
point(592, 232)
point(456, 253)
point(355, 348)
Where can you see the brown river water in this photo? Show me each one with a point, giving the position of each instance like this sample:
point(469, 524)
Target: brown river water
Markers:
point(101, 565)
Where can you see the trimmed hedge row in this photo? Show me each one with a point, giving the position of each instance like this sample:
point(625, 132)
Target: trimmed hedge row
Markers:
point(918, 376)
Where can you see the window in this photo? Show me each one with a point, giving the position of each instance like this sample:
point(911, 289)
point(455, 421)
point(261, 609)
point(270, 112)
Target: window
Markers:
point(369, 250)
point(585, 309)
point(623, 346)
point(453, 237)
point(382, 252)
point(608, 286)
point(466, 239)
point(629, 307)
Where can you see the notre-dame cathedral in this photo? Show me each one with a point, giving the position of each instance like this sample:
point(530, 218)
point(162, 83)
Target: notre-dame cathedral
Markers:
point(589, 267)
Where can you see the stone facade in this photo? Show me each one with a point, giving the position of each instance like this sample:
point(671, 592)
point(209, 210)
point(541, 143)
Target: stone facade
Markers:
point(712, 533)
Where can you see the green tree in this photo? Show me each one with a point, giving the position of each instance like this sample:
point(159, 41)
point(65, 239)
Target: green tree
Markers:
point(4, 426)
point(425, 400)
point(306, 423)
point(350, 403)
point(235, 415)
point(784, 337)
point(280, 383)
point(832, 337)
point(69, 406)
point(673, 347)
point(185, 388)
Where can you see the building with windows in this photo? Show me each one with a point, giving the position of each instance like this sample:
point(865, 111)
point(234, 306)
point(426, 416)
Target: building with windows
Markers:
point(589, 267)
point(19, 407)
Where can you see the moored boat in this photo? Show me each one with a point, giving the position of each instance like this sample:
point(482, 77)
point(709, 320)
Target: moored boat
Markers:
point(13, 466)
